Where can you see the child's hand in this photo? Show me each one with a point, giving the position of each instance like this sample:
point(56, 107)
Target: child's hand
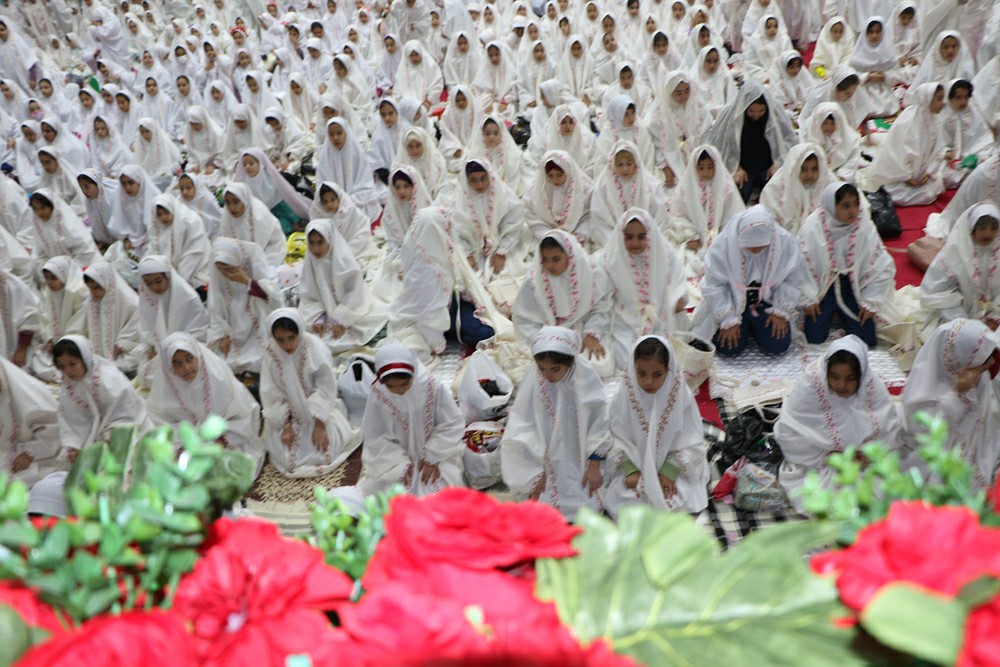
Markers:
point(592, 478)
point(668, 486)
point(429, 472)
point(632, 481)
point(593, 347)
point(287, 435)
point(320, 438)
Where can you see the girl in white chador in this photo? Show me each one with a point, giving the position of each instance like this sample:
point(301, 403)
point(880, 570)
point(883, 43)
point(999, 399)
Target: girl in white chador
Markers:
point(64, 300)
point(412, 427)
point(952, 377)
point(648, 283)
point(570, 289)
point(982, 184)
point(705, 200)
point(167, 304)
point(334, 204)
point(838, 402)
point(557, 434)
point(242, 292)
point(623, 184)
point(95, 397)
point(559, 198)
point(874, 58)
point(848, 272)
point(963, 280)
point(178, 233)
point(247, 218)
point(29, 425)
point(794, 191)
point(112, 316)
point(336, 303)
point(912, 160)
point(192, 382)
point(658, 454)
point(306, 430)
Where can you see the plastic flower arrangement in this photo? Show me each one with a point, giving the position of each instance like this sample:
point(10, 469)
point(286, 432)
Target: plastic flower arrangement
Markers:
point(148, 573)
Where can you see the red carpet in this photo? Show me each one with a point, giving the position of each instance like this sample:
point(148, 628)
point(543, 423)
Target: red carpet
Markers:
point(913, 220)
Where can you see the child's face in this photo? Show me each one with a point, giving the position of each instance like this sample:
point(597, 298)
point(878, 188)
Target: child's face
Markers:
point(809, 171)
point(330, 201)
point(96, 291)
point(845, 95)
point(625, 165)
point(556, 177)
point(711, 65)
point(960, 99)
point(771, 28)
point(628, 120)
point(552, 372)
point(829, 126)
point(388, 114)
point(660, 45)
point(566, 126)
point(874, 34)
point(576, 50)
point(491, 135)
point(234, 204)
point(650, 374)
point(705, 169)
point(415, 58)
point(634, 235)
point(318, 246)
point(837, 31)
point(251, 165)
point(794, 67)
point(157, 283)
point(164, 217)
point(71, 367)
point(906, 18)
point(337, 136)
point(983, 234)
point(479, 182)
point(415, 149)
point(88, 188)
point(402, 190)
point(842, 380)
point(677, 11)
point(681, 93)
point(494, 55)
point(49, 164)
point(398, 384)
point(949, 49)
point(461, 101)
point(463, 44)
point(938, 102)
point(53, 283)
point(756, 111)
point(847, 209)
point(539, 53)
point(555, 261)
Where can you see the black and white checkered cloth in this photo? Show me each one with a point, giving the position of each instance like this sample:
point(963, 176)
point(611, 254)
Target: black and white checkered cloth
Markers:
point(731, 524)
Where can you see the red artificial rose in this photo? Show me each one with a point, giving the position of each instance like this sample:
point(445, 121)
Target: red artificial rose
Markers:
point(138, 639)
point(32, 611)
point(981, 647)
point(257, 597)
point(939, 548)
point(467, 528)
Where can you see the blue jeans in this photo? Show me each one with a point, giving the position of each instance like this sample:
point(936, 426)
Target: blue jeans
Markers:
point(754, 324)
point(818, 330)
point(466, 328)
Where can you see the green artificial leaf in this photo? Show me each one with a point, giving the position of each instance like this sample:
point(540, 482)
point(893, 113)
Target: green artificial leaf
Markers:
point(678, 601)
point(17, 637)
point(18, 533)
point(87, 568)
point(927, 625)
point(979, 591)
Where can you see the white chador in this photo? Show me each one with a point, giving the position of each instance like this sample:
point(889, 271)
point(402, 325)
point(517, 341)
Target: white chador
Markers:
point(182, 240)
point(236, 313)
point(982, 184)
point(963, 280)
point(113, 320)
point(554, 428)
point(20, 311)
point(647, 286)
point(352, 224)
point(700, 209)
point(64, 311)
point(179, 308)
point(102, 399)
point(831, 248)
point(817, 422)
point(211, 389)
point(613, 195)
point(790, 199)
point(972, 415)
point(401, 432)
point(299, 391)
point(565, 206)
point(654, 430)
point(333, 293)
point(29, 425)
point(256, 224)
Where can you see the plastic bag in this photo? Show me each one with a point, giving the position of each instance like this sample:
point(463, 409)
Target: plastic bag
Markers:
point(125, 263)
point(482, 454)
point(484, 391)
point(757, 488)
point(355, 384)
point(884, 214)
